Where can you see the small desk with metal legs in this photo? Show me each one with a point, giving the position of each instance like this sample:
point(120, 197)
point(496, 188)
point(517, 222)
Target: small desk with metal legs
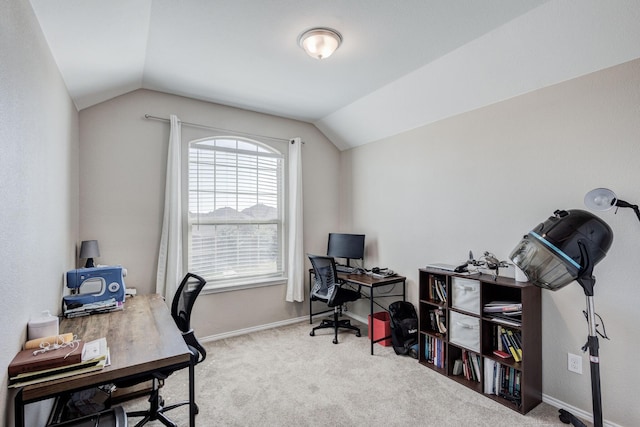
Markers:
point(369, 283)
point(142, 338)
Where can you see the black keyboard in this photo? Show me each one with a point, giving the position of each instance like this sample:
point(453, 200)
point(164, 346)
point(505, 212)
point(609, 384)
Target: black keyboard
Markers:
point(345, 269)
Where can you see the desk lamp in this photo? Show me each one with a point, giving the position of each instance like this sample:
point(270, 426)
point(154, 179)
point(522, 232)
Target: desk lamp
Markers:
point(603, 199)
point(89, 249)
point(562, 249)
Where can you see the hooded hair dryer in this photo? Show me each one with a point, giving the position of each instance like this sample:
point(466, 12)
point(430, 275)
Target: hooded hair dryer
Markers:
point(562, 249)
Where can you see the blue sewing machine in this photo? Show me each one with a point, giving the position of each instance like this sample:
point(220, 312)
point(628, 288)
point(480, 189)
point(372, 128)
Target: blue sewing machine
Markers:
point(94, 288)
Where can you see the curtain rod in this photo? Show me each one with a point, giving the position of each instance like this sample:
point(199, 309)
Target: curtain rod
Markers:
point(196, 125)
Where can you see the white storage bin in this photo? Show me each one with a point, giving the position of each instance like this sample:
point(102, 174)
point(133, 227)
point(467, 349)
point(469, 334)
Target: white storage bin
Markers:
point(44, 325)
point(465, 294)
point(464, 330)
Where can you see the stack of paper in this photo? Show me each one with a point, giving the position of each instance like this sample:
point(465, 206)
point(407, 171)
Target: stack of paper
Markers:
point(507, 312)
point(93, 356)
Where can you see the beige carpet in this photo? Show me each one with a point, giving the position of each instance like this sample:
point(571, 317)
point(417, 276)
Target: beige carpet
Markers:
point(284, 377)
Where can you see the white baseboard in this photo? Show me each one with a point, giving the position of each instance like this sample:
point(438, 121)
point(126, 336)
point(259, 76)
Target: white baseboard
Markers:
point(253, 329)
point(575, 411)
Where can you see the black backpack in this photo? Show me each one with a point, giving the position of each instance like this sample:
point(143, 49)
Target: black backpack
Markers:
point(404, 328)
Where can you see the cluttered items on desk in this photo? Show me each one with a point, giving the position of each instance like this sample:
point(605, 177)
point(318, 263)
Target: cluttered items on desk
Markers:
point(382, 273)
point(472, 266)
point(94, 290)
point(54, 357)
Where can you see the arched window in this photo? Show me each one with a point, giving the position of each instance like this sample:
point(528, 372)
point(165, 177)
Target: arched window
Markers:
point(235, 211)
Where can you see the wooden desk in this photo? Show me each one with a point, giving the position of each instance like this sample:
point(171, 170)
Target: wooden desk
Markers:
point(142, 338)
point(370, 284)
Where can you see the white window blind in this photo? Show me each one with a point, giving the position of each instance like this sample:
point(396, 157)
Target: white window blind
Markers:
point(235, 212)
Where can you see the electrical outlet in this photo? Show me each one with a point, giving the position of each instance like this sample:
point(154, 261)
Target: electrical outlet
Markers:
point(574, 363)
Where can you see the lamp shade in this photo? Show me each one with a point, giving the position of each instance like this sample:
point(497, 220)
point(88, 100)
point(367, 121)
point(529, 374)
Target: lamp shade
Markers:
point(557, 252)
point(89, 249)
point(320, 43)
point(600, 199)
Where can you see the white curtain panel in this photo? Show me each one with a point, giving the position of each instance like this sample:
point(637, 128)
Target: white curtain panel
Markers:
point(295, 260)
point(170, 255)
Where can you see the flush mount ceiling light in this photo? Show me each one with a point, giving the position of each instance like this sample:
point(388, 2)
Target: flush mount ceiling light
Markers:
point(320, 43)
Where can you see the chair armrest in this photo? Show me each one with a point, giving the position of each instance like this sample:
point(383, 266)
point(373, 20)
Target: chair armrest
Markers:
point(192, 341)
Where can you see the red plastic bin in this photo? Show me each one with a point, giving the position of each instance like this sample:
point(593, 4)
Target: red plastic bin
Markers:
point(381, 327)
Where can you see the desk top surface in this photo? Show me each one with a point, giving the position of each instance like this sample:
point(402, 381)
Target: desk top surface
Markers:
point(369, 281)
point(141, 338)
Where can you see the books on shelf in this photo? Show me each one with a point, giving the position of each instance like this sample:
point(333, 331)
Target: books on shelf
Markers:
point(94, 356)
point(437, 320)
point(434, 351)
point(471, 364)
point(502, 380)
point(507, 342)
point(504, 312)
point(437, 290)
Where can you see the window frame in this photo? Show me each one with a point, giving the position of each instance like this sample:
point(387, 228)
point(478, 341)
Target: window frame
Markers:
point(275, 149)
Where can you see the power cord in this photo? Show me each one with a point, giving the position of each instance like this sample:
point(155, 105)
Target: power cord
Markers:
point(602, 334)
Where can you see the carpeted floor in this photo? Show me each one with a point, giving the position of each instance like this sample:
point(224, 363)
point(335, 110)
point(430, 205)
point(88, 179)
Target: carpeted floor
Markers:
point(284, 377)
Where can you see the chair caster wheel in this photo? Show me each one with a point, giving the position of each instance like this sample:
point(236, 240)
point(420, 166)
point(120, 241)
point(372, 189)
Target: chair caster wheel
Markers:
point(335, 341)
point(312, 333)
point(358, 334)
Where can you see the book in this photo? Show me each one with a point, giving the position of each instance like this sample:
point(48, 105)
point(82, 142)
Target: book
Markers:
point(94, 355)
point(501, 354)
point(489, 372)
point(515, 343)
point(475, 362)
point(82, 368)
point(516, 322)
point(440, 321)
point(37, 360)
point(503, 308)
point(509, 344)
point(457, 367)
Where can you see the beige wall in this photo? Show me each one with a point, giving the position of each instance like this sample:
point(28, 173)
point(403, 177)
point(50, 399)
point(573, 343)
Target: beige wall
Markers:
point(122, 169)
point(477, 181)
point(481, 180)
point(38, 185)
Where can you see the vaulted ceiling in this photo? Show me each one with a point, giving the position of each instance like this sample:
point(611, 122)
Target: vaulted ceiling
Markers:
point(402, 63)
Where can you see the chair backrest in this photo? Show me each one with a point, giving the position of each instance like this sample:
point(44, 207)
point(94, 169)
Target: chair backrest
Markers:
point(326, 277)
point(184, 299)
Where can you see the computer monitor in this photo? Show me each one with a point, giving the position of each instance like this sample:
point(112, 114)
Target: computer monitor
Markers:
point(347, 246)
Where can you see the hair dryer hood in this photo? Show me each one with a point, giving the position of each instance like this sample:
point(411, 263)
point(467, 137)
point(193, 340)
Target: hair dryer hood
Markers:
point(551, 256)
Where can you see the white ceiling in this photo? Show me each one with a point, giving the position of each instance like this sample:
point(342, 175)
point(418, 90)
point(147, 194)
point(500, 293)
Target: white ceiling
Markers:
point(402, 64)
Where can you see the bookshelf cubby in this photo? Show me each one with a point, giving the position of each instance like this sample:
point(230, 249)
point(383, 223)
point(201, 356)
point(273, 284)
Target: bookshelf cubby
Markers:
point(469, 331)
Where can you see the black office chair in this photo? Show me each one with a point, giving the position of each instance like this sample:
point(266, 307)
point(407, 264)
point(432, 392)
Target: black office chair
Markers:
point(181, 307)
point(328, 288)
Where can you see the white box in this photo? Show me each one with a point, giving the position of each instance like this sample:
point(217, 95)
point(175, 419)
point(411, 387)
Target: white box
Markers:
point(464, 331)
point(42, 326)
point(465, 294)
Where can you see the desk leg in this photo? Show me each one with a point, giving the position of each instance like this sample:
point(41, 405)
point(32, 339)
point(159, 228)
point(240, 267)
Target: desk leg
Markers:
point(371, 318)
point(19, 409)
point(192, 395)
point(310, 302)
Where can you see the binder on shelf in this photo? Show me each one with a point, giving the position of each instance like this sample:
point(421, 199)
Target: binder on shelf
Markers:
point(489, 373)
